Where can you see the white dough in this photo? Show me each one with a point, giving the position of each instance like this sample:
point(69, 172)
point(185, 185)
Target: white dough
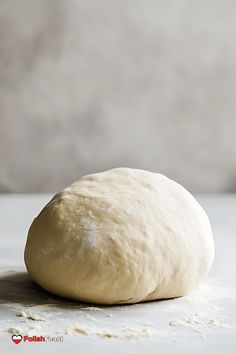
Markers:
point(120, 236)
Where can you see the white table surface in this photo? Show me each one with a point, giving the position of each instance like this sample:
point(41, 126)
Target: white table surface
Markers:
point(202, 322)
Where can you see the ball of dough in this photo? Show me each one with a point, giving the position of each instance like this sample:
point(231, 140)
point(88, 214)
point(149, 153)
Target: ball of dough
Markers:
point(120, 236)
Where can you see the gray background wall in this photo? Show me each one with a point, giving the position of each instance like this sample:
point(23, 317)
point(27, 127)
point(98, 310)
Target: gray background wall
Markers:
point(89, 85)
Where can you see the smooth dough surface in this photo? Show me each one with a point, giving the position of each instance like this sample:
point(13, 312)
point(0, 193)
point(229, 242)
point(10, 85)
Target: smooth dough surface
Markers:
point(120, 236)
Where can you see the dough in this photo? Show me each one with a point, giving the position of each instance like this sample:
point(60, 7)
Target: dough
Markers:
point(120, 236)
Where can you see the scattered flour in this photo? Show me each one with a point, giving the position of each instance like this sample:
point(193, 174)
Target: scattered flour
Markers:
point(13, 330)
point(91, 308)
point(125, 333)
point(89, 240)
point(90, 225)
point(198, 323)
point(30, 316)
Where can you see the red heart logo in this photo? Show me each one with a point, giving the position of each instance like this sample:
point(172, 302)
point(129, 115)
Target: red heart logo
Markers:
point(16, 338)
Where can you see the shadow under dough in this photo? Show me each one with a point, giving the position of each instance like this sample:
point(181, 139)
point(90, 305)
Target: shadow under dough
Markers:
point(18, 288)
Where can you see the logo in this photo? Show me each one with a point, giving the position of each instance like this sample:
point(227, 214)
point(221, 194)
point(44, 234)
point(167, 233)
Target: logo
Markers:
point(16, 338)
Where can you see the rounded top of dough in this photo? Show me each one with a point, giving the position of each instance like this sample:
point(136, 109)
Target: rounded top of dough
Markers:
point(120, 236)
